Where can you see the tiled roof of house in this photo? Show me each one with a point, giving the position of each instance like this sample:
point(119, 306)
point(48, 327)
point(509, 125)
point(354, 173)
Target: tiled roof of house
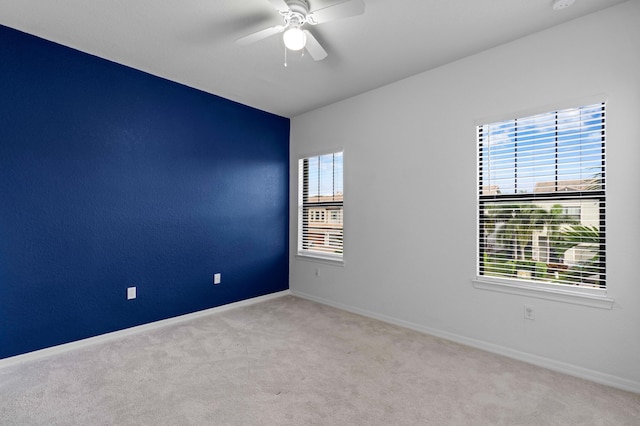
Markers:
point(566, 185)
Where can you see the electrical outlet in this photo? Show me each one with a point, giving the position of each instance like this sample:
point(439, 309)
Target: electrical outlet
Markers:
point(217, 278)
point(131, 293)
point(529, 312)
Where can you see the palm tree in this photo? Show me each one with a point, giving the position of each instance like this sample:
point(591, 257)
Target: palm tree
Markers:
point(554, 221)
point(525, 220)
point(588, 237)
point(498, 224)
point(511, 228)
point(579, 234)
point(595, 183)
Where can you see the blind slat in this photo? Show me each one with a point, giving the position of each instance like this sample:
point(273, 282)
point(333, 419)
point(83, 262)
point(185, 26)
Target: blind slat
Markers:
point(321, 205)
point(541, 197)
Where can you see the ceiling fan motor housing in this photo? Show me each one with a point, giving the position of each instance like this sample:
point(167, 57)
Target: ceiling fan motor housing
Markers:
point(296, 16)
point(299, 6)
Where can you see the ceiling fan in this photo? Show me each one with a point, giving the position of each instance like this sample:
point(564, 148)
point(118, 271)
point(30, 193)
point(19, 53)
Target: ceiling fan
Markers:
point(296, 14)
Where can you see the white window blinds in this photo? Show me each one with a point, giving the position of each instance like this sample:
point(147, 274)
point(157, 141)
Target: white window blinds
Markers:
point(541, 197)
point(320, 206)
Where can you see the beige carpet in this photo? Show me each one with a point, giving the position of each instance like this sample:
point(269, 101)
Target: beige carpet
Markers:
point(289, 361)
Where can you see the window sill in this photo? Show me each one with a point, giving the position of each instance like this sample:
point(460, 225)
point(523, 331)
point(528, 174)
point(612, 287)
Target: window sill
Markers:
point(329, 260)
point(596, 298)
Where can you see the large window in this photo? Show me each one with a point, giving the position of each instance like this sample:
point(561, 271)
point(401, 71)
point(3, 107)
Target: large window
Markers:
point(541, 198)
point(320, 206)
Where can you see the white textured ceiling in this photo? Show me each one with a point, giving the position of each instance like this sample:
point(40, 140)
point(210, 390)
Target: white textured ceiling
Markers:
point(193, 41)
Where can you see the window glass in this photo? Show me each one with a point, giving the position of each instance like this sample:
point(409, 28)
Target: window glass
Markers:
point(320, 206)
point(541, 198)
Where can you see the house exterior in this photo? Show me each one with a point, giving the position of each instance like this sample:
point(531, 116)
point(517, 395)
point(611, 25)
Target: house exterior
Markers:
point(324, 221)
point(581, 212)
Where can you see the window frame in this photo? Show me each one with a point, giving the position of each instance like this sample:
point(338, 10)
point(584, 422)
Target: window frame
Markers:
point(582, 295)
point(311, 255)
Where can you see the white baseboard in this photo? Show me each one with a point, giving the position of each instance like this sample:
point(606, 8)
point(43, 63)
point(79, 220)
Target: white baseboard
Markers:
point(55, 350)
point(551, 364)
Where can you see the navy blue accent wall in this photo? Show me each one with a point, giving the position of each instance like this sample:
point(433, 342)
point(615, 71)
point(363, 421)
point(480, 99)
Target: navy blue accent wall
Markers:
point(110, 178)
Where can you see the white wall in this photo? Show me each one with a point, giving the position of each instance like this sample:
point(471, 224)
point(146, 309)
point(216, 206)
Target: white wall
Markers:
point(410, 197)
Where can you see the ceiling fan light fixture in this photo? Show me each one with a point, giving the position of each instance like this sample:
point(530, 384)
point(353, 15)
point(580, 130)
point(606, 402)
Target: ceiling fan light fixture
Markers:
point(294, 38)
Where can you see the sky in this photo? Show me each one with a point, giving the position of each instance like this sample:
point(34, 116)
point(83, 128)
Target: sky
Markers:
point(519, 153)
point(326, 174)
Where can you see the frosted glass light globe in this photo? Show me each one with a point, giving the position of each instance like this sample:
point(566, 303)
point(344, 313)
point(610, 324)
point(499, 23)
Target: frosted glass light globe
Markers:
point(294, 38)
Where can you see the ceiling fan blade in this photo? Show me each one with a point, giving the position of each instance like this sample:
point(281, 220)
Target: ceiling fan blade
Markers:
point(279, 5)
point(314, 48)
point(252, 38)
point(336, 11)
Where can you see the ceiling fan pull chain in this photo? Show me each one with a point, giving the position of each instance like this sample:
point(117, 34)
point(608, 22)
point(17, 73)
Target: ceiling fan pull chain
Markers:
point(285, 56)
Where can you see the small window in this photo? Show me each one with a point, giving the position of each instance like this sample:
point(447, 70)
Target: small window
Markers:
point(541, 198)
point(320, 206)
point(573, 212)
point(335, 215)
